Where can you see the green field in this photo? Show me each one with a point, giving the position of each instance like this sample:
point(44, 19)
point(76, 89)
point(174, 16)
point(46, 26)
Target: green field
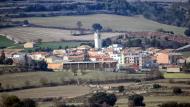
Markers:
point(4, 42)
point(115, 22)
point(177, 75)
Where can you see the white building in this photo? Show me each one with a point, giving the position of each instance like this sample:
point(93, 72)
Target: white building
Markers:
point(116, 47)
point(97, 40)
point(39, 55)
point(137, 58)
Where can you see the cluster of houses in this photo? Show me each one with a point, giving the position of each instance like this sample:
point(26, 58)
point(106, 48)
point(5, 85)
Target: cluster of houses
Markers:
point(111, 58)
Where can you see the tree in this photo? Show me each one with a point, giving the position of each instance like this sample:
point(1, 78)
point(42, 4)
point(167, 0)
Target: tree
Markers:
point(106, 42)
point(187, 32)
point(39, 40)
point(101, 98)
point(97, 26)
point(120, 6)
point(121, 89)
point(156, 86)
point(79, 26)
point(43, 65)
point(82, 9)
point(136, 100)
point(8, 61)
point(177, 90)
point(2, 57)
point(26, 22)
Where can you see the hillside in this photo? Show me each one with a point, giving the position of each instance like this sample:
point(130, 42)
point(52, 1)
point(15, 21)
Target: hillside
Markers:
point(115, 22)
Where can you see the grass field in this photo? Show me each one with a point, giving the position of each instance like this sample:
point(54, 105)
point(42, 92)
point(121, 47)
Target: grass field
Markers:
point(19, 79)
point(4, 42)
point(115, 22)
point(25, 34)
point(177, 75)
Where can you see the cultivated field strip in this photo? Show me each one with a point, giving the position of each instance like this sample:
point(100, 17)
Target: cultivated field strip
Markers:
point(24, 34)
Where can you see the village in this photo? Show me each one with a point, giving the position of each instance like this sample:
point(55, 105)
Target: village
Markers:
point(114, 58)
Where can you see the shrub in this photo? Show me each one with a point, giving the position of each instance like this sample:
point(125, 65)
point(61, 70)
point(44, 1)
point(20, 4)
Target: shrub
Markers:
point(136, 100)
point(156, 86)
point(101, 98)
point(10, 101)
point(177, 90)
point(121, 89)
point(28, 103)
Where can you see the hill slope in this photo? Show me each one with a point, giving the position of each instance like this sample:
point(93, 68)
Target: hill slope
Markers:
point(115, 22)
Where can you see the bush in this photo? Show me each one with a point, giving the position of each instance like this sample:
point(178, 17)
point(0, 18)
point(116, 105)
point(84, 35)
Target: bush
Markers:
point(177, 90)
point(9, 101)
point(156, 86)
point(28, 103)
point(121, 89)
point(136, 100)
point(101, 98)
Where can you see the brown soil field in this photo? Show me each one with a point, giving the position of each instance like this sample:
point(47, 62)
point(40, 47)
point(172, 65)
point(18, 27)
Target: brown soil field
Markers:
point(59, 91)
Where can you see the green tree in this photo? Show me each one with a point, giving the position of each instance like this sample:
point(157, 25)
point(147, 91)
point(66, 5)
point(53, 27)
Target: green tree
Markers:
point(136, 100)
point(97, 26)
point(26, 22)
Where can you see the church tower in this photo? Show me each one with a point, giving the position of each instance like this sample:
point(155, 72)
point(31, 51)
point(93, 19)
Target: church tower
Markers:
point(97, 40)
